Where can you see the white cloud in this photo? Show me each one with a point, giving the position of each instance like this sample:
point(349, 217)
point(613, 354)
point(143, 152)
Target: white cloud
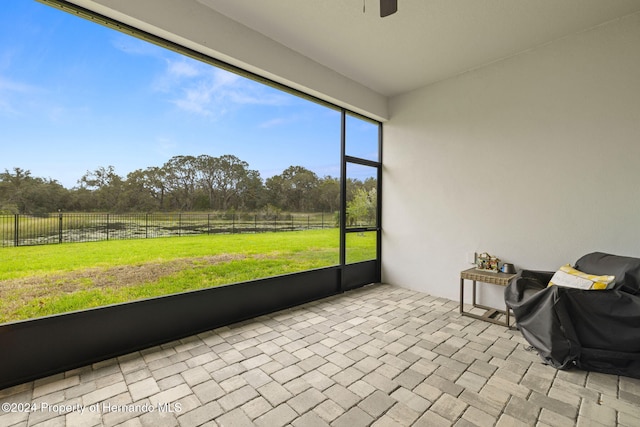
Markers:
point(7, 85)
point(204, 90)
point(6, 107)
point(134, 46)
point(11, 93)
point(225, 78)
point(183, 68)
point(197, 100)
point(176, 73)
point(278, 121)
point(22, 100)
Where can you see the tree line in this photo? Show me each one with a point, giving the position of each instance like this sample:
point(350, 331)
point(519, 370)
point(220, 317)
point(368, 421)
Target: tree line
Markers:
point(183, 183)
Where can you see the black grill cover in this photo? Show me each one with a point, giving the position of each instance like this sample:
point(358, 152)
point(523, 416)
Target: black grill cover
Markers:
point(594, 330)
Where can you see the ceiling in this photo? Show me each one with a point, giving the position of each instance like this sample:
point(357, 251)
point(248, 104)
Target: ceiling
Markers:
point(425, 41)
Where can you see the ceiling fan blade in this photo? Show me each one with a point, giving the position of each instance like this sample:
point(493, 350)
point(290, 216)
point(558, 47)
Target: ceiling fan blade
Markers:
point(388, 7)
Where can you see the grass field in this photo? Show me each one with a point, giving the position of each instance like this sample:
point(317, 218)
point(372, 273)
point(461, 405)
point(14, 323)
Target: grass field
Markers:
point(37, 281)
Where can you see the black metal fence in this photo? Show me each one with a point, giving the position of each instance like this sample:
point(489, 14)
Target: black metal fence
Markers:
point(28, 230)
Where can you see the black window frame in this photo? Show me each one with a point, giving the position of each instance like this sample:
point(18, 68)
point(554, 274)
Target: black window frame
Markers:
point(345, 161)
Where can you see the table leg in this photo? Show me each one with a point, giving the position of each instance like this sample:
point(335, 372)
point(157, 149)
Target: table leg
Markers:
point(461, 294)
point(474, 293)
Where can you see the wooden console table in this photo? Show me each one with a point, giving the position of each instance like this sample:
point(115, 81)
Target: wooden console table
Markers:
point(500, 279)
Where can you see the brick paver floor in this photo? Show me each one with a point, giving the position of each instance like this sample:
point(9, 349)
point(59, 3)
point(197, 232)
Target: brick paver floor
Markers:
point(380, 355)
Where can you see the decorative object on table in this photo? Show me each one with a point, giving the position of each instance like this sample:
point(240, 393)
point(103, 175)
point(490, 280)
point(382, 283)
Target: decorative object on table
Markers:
point(508, 268)
point(486, 262)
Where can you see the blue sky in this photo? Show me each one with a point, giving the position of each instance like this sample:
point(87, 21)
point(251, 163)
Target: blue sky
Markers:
point(75, 96)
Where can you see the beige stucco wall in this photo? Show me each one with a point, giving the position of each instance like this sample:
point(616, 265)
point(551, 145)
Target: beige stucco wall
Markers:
point(535, 159)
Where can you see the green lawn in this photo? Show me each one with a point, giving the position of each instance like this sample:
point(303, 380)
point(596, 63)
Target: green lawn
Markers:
point(43, 280)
